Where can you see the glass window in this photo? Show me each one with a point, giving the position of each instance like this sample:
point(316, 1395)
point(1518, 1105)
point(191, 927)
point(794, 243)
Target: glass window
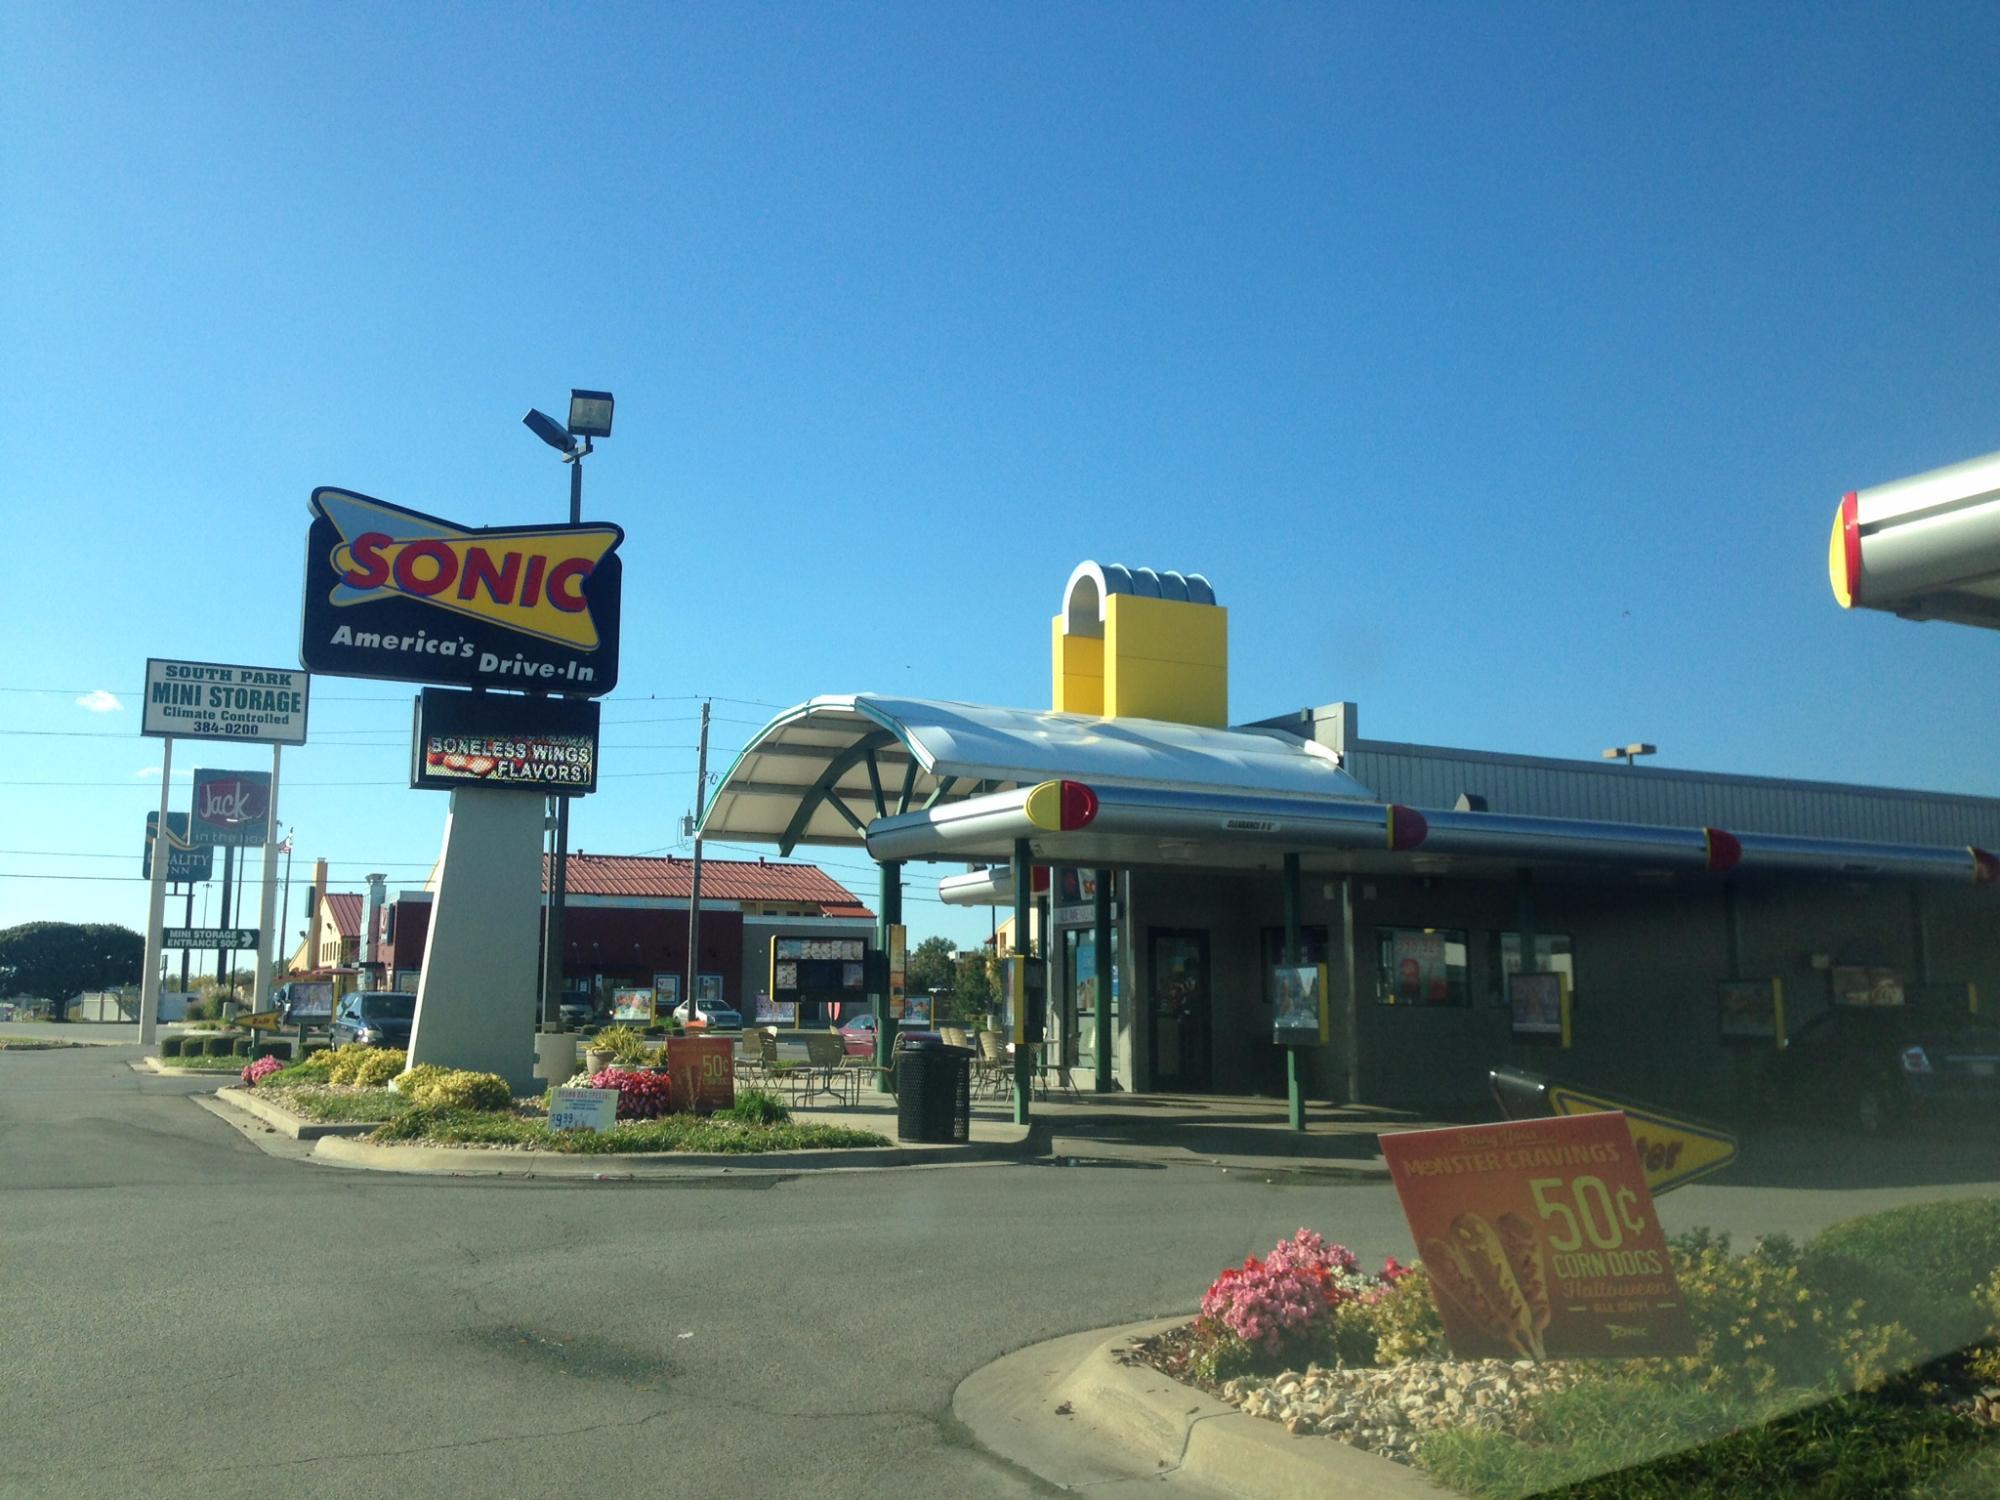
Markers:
point(1421, 966)
point(1080, 984)
point(1553, 955)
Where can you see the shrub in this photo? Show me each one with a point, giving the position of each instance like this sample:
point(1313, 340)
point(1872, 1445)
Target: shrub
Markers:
point(627, 1047)
point(240, 1046)
point(432, 1087)
point(1759, 1322)
point(1922, 1265)
point(641, 1096)
point(170, 1046)
point(1279, 1309)
point(261, 1069)
point(218, 1046)
point(758, 1107)
point(1395, 1322)
point(366, 1067)
point(317, 1061)
point(280, 1050)
point(1984, 1360)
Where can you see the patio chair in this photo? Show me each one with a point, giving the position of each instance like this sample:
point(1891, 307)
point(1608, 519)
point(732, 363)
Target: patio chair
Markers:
point(756, 1054)
point(826, 1070)
point(953, 1036)
point(1051, 1077)
point(993, 1069)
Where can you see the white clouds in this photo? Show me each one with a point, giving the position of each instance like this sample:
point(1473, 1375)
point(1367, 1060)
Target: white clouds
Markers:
point(98, 701)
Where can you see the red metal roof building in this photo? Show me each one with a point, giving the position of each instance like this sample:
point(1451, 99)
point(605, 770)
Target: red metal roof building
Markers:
point(625, 923)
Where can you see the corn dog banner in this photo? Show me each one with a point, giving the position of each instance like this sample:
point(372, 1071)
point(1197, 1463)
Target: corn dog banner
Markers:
point(1540, 1239)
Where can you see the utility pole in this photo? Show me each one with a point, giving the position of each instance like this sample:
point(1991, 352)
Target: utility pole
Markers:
point(222, 958)
point(694, 892)
point(552, 930)
point(285, 910)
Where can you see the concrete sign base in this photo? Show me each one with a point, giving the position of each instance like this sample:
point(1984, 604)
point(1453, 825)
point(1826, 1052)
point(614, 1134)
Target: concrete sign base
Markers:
point(477, 994)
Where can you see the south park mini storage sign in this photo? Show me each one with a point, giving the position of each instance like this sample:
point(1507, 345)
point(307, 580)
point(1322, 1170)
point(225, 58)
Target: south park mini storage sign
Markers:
point(205, 700)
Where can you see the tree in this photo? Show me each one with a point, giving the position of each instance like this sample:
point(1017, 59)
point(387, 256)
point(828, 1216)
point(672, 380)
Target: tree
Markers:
point(55, 961)
point(974, 995)
point(930, 966)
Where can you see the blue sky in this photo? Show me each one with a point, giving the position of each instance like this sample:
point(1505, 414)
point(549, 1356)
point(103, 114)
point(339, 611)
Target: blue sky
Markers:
point(1502, 366)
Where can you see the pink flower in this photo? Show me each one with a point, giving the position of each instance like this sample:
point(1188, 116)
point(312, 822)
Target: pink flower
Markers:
point(1286, 1296)
point(261, 1069)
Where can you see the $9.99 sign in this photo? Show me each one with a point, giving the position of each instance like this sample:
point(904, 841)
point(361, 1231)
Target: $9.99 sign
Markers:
point(1540, 1239)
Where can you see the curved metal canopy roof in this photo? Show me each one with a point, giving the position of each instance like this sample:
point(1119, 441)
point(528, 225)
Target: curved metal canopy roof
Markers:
point(821, 772)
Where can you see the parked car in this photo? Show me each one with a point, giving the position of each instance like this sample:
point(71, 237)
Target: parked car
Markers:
point(708, 1015)
point(374, 1018)
point(1877, 1070)
point(577, 1012)
point(857, 1034)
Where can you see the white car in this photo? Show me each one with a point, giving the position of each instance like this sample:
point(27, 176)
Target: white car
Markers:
point(708, 1015)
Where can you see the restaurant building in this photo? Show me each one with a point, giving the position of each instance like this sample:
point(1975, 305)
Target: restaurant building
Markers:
point(1660, 931)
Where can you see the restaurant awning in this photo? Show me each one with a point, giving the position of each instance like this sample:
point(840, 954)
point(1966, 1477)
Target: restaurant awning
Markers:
point(820, 773)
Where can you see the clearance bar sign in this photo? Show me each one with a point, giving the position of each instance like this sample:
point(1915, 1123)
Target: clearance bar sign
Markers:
point(398, 594)
point(1540, 1239)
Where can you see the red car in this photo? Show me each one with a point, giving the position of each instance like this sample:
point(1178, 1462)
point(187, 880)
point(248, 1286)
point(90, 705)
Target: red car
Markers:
point(857, 1035)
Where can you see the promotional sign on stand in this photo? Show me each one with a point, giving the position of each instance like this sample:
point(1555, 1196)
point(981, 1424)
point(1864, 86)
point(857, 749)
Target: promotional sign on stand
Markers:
point(1540, 1239)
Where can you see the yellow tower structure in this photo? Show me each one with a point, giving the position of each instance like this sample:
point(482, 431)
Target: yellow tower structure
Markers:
point(1131, 643)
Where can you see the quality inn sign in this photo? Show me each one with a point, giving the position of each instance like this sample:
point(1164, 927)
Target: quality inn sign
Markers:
point(394, 593)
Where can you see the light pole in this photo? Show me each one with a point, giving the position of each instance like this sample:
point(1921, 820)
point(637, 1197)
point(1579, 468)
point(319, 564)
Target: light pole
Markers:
point(1626, 753)
point(589, 417)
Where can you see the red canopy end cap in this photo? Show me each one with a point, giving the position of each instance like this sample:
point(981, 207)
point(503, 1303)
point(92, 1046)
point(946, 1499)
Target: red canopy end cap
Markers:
point(1407, 828)
point(1985, 868)
point(1724, 852)
point(1079, 806)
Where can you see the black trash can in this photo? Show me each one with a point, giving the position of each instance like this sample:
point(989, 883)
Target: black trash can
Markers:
point(917, 1059)
point(954, 1096)
point(933, 1091)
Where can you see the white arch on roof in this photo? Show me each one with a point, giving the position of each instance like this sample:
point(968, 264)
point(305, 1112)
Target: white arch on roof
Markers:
point(1092, 584)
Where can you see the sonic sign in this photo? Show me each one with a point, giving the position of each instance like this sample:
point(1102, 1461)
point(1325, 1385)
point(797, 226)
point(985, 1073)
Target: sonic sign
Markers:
point(398, 594)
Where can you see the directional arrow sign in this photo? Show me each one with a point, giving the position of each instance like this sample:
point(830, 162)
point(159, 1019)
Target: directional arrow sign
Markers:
point(229, 938)
point(1674, 1149)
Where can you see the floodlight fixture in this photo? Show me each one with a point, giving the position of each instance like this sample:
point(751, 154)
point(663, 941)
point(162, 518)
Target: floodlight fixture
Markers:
point(590, 413)
point(549, 431)
point(1626, 753)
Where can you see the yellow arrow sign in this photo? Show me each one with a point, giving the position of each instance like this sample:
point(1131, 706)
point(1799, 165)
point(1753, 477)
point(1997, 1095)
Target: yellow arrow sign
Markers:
point(1673, 1149)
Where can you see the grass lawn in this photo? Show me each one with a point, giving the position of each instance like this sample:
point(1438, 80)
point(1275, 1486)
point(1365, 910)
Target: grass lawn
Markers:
point(34, 1044)
point(1608, 1440)
point(674, 1133)
point(327, 1103)
point(206, 1064)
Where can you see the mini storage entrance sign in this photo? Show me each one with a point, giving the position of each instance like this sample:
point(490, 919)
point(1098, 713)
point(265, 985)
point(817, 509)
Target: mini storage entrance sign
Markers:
point(1540, 1239)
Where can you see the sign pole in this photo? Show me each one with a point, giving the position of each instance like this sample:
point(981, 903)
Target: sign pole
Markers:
point(267, 943)
point(156, 908)
point(1295, 1103)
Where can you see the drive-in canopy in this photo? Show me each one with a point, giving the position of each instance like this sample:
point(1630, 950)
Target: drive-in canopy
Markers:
point(821, 772)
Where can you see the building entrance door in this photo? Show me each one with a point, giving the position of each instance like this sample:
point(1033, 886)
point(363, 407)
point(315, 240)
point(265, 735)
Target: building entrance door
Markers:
point(1177, 982)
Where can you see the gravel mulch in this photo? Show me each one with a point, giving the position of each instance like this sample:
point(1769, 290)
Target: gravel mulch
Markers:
point(1387, 1410)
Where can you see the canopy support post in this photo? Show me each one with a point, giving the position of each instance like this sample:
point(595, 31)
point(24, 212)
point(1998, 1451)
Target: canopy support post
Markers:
point(1024, 1059)
point(1295, 1102)
point(1101, 946)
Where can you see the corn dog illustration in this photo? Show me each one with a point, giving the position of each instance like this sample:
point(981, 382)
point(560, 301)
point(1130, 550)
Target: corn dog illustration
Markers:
point(1451, 1276)
point(1485, 1257)
point(1531, 1272)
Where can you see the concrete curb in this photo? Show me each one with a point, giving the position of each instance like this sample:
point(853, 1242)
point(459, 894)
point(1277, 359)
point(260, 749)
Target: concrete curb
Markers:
point(461, 1162)
point(1133, 1423)
point(298, 1127)
point(158, 1069)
